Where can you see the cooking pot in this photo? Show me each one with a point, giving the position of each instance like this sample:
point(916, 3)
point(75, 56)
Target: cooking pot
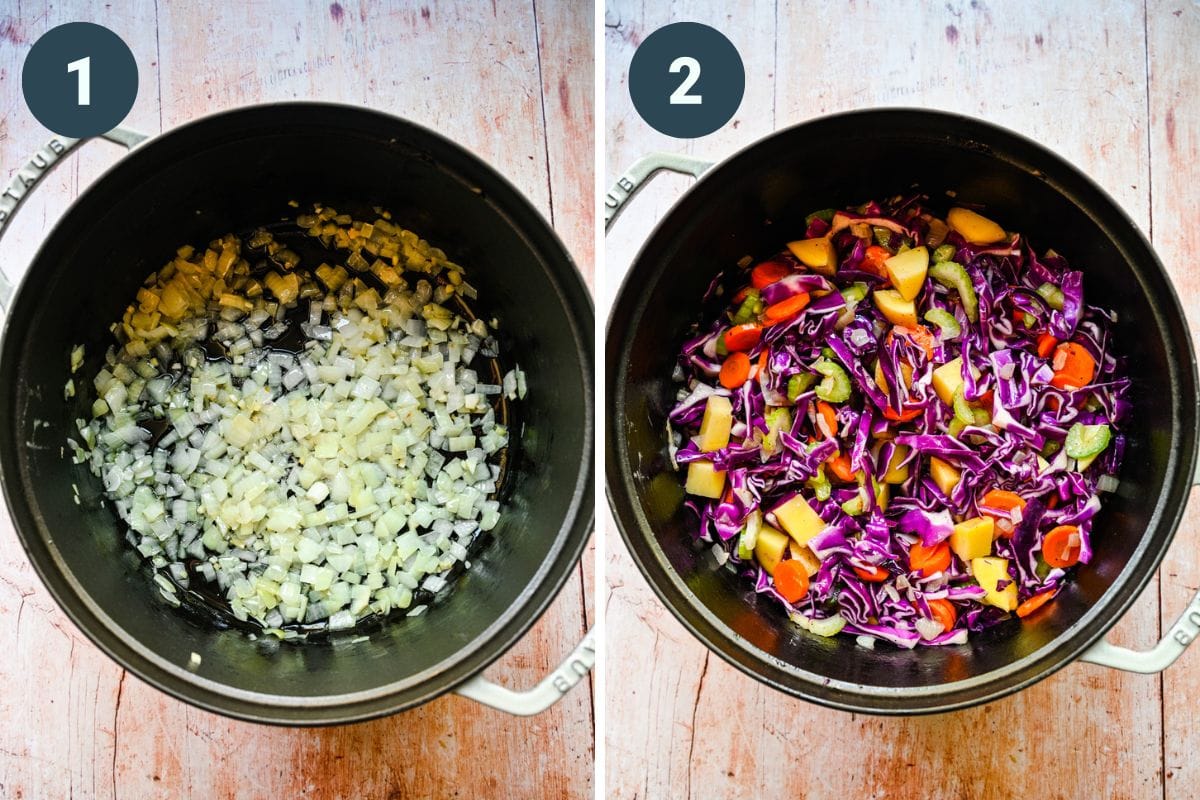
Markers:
point(754, 202)
point(233, 172)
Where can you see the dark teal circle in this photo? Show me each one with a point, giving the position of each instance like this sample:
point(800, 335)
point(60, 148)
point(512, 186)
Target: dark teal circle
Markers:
point(720, 86)
point(52, 93)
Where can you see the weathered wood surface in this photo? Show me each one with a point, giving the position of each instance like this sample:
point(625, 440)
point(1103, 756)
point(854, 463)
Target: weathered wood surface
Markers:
point(1113, 87)
point(512, 81)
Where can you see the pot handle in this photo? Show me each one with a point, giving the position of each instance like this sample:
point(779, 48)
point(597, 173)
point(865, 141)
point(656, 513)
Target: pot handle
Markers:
point(640, 174)
point(28, 176)
point(1162, 655)
point(549, 691)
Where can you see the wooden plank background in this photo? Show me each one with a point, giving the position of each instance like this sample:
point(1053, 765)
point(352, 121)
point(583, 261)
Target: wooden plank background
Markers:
point(513, 81)
point(1113, 87)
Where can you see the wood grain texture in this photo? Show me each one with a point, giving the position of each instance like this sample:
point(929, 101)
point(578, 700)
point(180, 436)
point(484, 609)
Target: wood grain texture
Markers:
point(512, 81)
point(1113, 89)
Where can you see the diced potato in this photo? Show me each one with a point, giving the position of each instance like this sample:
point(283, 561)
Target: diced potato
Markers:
point(703, 480)
point(883, 496)
point(944, 475)
point(972, 538)
point(797, 517)
point(768, 547)
point(948, 377)
point(717, 422)
point(895, 308)
point(806, 557)
point(818, 254)
point(975, 228)
point(989, 572)
point(897, 472)
point(907, 271)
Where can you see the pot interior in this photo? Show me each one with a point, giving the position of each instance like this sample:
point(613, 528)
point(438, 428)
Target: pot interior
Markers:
point(752, 205)
point(232, 173)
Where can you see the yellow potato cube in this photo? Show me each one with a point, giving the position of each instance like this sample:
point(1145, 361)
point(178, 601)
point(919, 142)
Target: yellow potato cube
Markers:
point(896, 471)
point(944, 475)
point(806, 557)
point(948, 377)
point(975, 228)
point(895, 308)
point(906, 372)
point(768, 547)
point(989, 572)
point(797, 517)
point(717, 422)
point(703, 480)
point(907, 271)
point(972, 538)
point(818, 254)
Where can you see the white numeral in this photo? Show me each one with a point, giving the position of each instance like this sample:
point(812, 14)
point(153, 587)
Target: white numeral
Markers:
point(680, 96)
point(84, 67)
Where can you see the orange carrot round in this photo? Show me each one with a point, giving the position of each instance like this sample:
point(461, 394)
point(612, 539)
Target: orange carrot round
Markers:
point(873, 260)
point(1046, 344)
point(901, 416)
point(943, 611)
point(791, 580)
point(1000, 500)
point(1057, 549)
point(742, 337)
point(830, 415)
point(928, 560)
point(839, 463)
point(872, 574)
point(769, 272)
point(786, 309)
point(735, 370)
point(1034, 603)
point(1073, 366)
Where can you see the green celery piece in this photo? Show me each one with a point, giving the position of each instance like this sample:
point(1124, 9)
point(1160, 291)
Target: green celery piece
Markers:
point(952, 275)
point(835, 388)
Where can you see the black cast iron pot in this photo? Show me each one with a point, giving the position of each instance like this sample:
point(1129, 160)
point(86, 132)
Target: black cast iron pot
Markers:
point(754, 202)
point(230, 173)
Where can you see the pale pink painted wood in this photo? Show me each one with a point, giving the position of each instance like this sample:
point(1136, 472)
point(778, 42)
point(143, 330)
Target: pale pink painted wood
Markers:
point(71, 722)
point(682, 723)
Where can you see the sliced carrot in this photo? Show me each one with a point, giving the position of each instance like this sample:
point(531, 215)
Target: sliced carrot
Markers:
point(786, 309)
point(901, 416)
point(791, 580)
point(735, 370)
point(762, 362)
point(840, 464)
point(742, 337)
point(769, 272)
point(1046, 344)
point(985, 399)
point(1000, 500)
point(943, 611)
point(1052, 502)
point(872, 574)
point(1073, 366)
point(830, 414)
point(873, 260)
point(1057, 549)
point(1034, 603)
point(928, 560)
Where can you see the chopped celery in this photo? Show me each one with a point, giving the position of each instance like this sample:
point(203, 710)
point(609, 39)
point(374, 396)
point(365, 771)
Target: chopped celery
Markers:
point(983, 416)
point(749, 535)
point(882, 236)
point(750, 308)
point(948, 326)
point(1051, 449)
point(777, 419)
point(952, 275)
point(1052, 295)
point(798, 384)
point(819, 483)
point(827, 352)
point(835, 387)
point(945, 252)
point(825, 214)
point(854, 293)
point(855, 506)
point(962, 409)
point(722, 350)
point(1085, 441)
point(1042, 569)
point(955, 427)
